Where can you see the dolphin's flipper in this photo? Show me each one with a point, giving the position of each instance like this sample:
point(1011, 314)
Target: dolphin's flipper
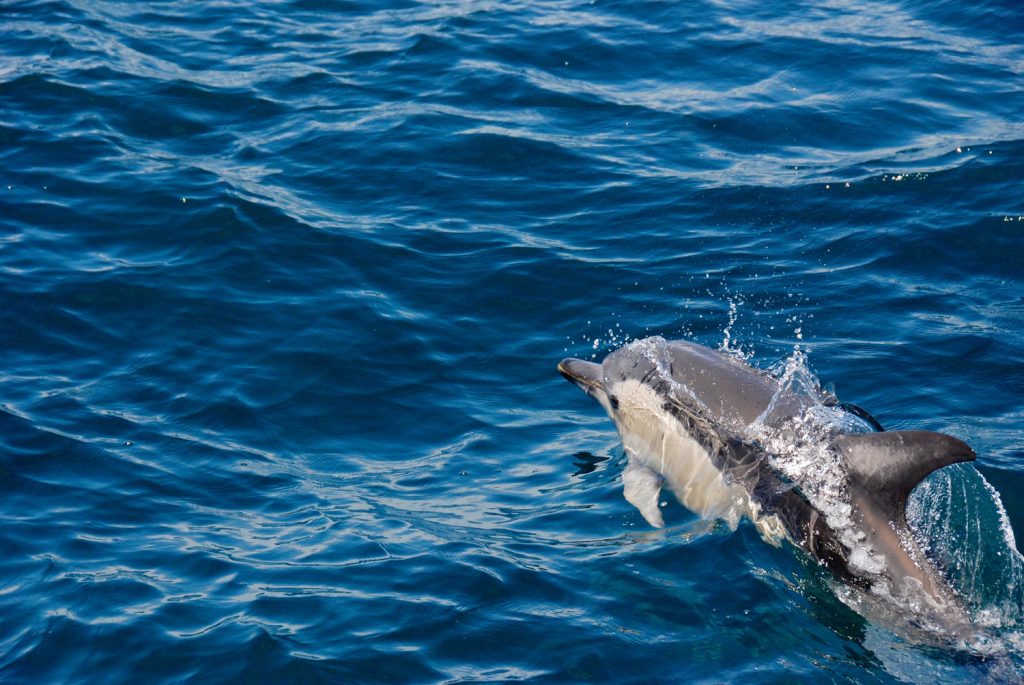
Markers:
point(885, 467)
point(641, 486)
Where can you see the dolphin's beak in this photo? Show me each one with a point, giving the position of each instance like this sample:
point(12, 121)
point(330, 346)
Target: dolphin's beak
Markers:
point(586, 375)
point(589, 377)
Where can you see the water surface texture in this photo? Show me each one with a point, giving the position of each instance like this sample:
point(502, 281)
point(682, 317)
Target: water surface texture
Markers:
point(284, 284)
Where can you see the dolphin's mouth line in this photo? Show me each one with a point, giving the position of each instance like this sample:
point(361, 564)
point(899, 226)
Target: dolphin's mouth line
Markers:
point(578, 379)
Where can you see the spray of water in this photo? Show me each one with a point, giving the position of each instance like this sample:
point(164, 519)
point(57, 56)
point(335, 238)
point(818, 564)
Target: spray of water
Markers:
point(952, 515)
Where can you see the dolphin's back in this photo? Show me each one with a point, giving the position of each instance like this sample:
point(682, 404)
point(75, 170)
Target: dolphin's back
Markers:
point(725, 387)
point(728, 387)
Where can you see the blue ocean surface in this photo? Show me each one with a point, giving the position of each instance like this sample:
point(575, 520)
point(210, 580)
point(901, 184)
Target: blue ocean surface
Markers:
point(284, 285)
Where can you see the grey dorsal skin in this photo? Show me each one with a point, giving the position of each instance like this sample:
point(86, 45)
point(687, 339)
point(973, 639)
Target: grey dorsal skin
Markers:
point(678, 407)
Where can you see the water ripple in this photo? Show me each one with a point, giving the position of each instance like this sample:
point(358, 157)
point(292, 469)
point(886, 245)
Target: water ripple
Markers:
point(285, 284)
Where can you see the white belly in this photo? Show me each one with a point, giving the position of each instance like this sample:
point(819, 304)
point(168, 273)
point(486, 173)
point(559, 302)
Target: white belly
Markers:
point(656, 440)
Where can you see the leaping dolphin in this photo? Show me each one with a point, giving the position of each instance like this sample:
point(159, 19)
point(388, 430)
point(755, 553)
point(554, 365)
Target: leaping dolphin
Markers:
point(709, 426)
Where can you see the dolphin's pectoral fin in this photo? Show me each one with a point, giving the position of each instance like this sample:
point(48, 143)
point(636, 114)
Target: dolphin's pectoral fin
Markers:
point(885, 467)
point(641, 486)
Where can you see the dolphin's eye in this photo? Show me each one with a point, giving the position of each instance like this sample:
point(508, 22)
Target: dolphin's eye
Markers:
point(614, 401)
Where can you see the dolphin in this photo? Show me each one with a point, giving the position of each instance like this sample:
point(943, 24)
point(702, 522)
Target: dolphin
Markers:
point(714, 430)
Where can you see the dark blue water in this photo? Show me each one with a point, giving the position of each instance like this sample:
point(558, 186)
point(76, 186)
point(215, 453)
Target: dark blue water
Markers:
point(284, 285)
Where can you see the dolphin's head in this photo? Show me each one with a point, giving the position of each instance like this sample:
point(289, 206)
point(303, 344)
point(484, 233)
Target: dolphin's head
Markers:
point(590, 378)
point(724, 388)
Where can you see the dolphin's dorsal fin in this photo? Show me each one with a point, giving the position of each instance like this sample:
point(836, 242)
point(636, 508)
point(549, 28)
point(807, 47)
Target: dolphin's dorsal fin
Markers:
point(887, 466)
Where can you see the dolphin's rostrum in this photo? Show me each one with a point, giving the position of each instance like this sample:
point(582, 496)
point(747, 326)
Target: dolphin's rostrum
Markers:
point(702, 422)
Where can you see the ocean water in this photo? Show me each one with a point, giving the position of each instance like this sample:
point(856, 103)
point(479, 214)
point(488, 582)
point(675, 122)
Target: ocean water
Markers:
point(284, 284)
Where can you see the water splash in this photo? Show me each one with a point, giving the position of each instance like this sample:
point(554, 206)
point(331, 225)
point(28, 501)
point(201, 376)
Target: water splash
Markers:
point(728, 345)
point(799, 445)
point(950, 514)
